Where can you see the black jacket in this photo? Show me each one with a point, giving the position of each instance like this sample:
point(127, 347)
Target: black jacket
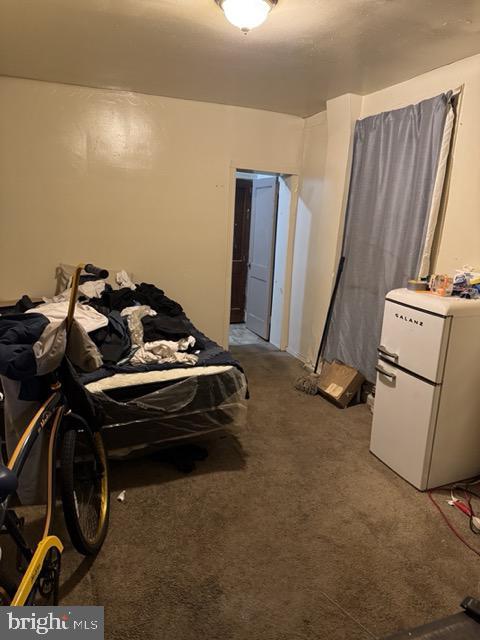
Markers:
point(18, 334)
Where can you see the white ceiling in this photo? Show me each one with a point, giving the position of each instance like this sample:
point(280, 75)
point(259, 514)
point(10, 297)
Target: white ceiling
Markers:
point(306, 52)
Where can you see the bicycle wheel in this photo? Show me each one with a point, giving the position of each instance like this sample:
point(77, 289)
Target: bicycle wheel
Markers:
point(85, 495)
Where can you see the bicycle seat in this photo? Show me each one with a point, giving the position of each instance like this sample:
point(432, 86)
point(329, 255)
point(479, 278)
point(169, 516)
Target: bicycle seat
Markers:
point(8, 482)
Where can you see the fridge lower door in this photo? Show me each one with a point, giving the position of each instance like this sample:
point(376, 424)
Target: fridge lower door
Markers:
point(404, 423)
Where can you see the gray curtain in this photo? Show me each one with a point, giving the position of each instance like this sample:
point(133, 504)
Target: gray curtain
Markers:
point(394, 167)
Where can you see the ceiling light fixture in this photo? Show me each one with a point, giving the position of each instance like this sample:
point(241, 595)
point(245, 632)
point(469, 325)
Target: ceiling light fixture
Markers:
point(246, 14)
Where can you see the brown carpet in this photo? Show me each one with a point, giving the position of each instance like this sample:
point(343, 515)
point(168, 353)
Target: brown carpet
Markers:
point(295, 531)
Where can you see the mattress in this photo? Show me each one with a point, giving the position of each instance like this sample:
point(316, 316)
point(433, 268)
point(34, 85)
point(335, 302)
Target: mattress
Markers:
point(150, 409)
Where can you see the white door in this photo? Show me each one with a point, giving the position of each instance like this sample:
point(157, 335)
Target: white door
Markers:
point(403, 427)
point(261, 255)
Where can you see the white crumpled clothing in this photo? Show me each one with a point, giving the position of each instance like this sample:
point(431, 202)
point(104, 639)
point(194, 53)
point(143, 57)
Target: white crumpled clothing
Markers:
point(123, 280)
point(141, 310)
point(134, 317)
point(88, 317)
point(165, 351)
point(159, 351)
point(92, 289)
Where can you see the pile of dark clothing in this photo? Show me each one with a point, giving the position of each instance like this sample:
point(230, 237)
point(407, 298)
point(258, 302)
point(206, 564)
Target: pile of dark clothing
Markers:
point(131, 329)
point(146, 294)
point(134, 328)
point(161, 319)
point(147, 311)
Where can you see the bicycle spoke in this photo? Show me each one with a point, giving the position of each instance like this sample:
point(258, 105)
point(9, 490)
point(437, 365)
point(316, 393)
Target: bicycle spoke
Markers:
point(87, 499)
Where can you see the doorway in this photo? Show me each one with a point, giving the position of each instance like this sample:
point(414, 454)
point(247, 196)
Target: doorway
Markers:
point(260, 247)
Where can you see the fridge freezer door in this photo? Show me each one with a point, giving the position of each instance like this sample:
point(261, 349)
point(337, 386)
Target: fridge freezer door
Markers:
point(415, 340)
point(404, 423)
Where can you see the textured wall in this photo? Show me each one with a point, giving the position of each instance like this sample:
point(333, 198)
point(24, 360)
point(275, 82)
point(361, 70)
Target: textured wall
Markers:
point(128, 180)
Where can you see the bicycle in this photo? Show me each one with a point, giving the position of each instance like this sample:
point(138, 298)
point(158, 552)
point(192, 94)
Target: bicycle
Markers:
point(80, 452)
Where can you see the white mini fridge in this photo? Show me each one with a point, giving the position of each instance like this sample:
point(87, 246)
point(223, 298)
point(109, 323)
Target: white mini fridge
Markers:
point(426, 420)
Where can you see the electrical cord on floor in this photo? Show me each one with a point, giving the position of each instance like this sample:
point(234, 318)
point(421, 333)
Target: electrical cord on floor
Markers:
point(450, 525)
point(473, 519)
point(466, 505)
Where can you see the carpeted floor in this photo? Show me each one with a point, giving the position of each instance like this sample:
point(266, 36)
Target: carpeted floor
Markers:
point(293, 531)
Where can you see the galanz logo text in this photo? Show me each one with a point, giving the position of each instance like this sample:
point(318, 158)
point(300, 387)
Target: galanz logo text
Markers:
point(407, 319)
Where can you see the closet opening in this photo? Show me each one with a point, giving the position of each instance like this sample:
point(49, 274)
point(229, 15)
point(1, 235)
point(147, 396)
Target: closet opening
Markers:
point(261, 237)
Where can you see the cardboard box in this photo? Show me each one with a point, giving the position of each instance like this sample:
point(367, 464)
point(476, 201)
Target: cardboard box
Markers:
point(339, 383)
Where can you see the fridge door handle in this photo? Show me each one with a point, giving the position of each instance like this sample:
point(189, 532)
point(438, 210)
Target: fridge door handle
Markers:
point(385, 352)
point(383, 372)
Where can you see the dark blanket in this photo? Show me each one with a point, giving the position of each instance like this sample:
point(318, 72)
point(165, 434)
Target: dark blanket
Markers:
point(166, 327)
point(170, 323)
point(113, 341)
point(144, 293)
point(19, 332)
point(211, 355)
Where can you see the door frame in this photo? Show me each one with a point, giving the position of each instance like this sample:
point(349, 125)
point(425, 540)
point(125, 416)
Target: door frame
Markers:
point(287, 284)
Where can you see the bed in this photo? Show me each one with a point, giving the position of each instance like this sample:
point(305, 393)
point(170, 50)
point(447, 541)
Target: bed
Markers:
point(146, 410)
point(145, 406)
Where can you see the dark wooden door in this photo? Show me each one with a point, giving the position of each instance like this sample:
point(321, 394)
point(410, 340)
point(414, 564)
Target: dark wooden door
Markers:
point(241, 238)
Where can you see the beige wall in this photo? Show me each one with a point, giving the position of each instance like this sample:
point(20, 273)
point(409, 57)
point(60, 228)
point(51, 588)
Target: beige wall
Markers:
point(128, 180)
point(321, 205)
point(307, 258)
point(325, 177)
point(149, 180)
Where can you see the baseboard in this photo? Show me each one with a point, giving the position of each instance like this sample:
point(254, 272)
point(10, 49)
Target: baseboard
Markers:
point(296, 355)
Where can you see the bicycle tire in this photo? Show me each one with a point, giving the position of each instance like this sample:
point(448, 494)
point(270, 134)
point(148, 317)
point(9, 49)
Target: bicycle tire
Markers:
point(84, 468)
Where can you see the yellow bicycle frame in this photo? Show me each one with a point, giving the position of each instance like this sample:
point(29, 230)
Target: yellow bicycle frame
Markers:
point(34, 568)
point(39, 422)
